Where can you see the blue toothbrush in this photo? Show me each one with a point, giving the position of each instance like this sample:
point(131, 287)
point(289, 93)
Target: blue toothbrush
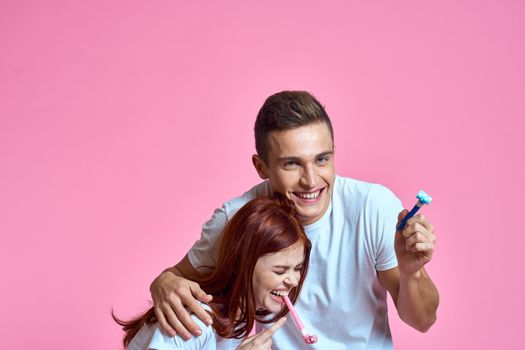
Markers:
point(423, 199)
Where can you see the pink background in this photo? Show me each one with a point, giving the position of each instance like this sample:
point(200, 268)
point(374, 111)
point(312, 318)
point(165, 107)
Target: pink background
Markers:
point(124, 123)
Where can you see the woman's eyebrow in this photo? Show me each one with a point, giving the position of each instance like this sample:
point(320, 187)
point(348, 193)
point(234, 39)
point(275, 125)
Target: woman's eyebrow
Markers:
point(286, 266)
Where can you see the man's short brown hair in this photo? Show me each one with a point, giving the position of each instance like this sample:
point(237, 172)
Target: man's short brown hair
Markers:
point(287, 110)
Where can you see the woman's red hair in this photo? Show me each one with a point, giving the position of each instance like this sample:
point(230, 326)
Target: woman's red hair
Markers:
point(262, 226)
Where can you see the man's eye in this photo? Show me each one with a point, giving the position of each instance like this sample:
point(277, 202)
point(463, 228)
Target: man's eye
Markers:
point(322, 160)
point(290, 164)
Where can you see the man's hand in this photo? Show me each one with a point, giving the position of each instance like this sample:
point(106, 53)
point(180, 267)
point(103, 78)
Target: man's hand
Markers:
point(262, 340)
point(170, 293)
point(415, 244)
point(413, 292)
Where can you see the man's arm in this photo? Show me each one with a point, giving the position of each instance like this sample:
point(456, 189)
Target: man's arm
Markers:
point(413, 292)
point(176, 289)
point(416, 298)
point(173, 289)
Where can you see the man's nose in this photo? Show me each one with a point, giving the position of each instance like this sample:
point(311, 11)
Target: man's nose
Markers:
point(308, 177)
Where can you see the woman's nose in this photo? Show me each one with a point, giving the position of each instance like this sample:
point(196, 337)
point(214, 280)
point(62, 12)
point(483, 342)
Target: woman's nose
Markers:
point(292, 280)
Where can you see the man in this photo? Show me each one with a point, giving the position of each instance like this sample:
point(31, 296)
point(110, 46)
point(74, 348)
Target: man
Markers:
point(356, 254)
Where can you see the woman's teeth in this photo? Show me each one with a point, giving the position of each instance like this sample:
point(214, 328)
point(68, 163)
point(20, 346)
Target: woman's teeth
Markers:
point(279, 293)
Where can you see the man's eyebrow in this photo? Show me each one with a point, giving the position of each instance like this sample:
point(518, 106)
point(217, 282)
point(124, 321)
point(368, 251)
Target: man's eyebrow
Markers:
point(327, 153)
point(290, 159)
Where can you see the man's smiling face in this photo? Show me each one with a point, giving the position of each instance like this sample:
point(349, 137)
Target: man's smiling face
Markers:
point(300, 165)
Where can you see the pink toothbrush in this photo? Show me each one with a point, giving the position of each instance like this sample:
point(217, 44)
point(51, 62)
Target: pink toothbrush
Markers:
point(308, 338)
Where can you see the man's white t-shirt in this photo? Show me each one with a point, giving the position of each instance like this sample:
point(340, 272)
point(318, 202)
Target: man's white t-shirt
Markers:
point(342, 301)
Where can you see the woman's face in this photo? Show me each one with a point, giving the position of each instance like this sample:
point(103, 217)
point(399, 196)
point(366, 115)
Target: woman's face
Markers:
point(275, 275)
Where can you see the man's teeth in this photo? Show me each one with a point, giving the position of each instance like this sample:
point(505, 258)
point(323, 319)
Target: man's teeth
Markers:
point(312, 195)
point(280, 293)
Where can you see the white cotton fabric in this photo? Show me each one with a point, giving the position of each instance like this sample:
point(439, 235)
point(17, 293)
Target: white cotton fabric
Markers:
point(150, 337)
point(342, 301)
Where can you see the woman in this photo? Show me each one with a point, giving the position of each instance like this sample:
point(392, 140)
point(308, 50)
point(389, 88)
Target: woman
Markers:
point(263, 255)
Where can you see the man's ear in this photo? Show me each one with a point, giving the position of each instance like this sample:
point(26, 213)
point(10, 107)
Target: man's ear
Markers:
point(260, 167)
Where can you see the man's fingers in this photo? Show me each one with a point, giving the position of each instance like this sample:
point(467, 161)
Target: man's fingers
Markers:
point(414, 238)
point(421, 220)
point(416, 227)
point(422, 247)
point(184, 323)
point(164, 325)
point(170, 312)
point(171, 294)
point(424, 221)
point(419, 241)
point(199, 294)
point(417, 233)
point(196, 308)
point(401, 216)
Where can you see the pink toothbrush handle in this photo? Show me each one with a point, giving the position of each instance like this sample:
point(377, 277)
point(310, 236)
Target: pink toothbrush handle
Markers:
point(308, 338)
point(293, 312)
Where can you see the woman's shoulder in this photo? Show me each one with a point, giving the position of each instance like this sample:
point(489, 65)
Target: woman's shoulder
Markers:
point(160, 341)
point(206, 340)
point(151, 337)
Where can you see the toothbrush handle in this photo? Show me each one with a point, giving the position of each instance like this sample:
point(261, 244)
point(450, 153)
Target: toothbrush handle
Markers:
point(295, 317)
point(414, 210)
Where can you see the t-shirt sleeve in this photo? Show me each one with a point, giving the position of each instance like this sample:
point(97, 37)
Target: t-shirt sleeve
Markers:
point(203, 254)
point(384, 207)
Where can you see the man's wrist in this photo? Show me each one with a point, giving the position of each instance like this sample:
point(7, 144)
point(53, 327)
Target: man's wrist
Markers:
point(410, 276)
point(173, 270)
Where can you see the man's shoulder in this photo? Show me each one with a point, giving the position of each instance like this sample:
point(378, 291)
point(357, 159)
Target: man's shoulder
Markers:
point(348, 185)
point(260, 190)
point(352, 189)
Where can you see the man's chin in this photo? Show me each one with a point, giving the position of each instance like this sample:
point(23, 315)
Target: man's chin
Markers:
point(309, 214)
point(308, 218)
